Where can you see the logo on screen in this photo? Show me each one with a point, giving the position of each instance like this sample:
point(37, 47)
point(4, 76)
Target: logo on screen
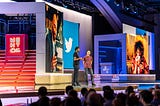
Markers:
point(68, 44)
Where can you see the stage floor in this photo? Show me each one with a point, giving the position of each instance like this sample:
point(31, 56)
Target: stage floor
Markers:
point(116, 85)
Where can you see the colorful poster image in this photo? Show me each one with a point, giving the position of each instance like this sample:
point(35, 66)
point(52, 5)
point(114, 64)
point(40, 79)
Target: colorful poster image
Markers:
point(137, 54)
point(54, 40)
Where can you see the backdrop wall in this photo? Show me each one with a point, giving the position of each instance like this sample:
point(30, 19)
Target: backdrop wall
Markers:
point(39, 10)
point(85, 28)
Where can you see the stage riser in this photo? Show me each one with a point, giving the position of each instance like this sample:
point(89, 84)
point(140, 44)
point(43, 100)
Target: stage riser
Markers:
point(55, 87)
point(117, 77)
point(121, 77)
point(141, 78)
point(53, 80)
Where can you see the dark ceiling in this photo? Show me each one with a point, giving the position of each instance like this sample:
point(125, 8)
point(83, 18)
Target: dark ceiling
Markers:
point(149, 6)
point(142, 10)
point(83, 6)
point(141, 6)
point(152, 6)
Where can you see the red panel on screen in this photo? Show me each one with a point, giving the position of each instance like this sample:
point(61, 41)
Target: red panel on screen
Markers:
point(15, 45)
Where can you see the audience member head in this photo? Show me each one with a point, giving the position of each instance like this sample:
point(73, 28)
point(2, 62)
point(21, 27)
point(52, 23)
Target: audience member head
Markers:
point(94, 99)
point(55, 101)
point(106, 88)
point(71, 101)
point(73, 93)
point(42, 91)
point(156, 86)
point(151, 89)
point(156, 94)
point(44, 101)
point(129, 90)
point(68, 88)
point(122, 97)
point(84, 91)
point(117, 102)
point(132, 100)
point(92, 90)
point(108, 94)
point(145, 97)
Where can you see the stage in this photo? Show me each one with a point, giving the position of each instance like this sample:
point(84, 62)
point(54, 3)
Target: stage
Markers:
point(58, 82)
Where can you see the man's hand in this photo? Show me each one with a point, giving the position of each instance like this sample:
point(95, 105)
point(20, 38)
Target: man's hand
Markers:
point(80, 58)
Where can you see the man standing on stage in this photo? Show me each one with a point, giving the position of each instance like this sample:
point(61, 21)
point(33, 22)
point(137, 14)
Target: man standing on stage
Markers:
point(76, 60)
point(87, 62)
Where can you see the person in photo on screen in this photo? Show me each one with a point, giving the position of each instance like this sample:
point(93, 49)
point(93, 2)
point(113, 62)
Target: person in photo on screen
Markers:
point(76, 60)
point(87, 62)
point(51, 53)
point(139, 64)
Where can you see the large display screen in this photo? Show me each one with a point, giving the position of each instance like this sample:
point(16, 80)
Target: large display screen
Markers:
point(110, 57)
point(137, 54)
point(54, 40)
point(139, 50)
point(71, 39)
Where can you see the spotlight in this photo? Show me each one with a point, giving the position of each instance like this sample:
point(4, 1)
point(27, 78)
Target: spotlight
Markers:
point(134, 10)
point(117, 2)
point(65, 6)
point(127, 8)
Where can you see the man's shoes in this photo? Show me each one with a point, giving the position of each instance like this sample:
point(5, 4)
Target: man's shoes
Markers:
point(74, 84)
point(93, 84)
point(78, 84)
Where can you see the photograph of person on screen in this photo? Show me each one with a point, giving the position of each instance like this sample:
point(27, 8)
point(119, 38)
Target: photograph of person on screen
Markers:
point(139, 64)
point(53, 40)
